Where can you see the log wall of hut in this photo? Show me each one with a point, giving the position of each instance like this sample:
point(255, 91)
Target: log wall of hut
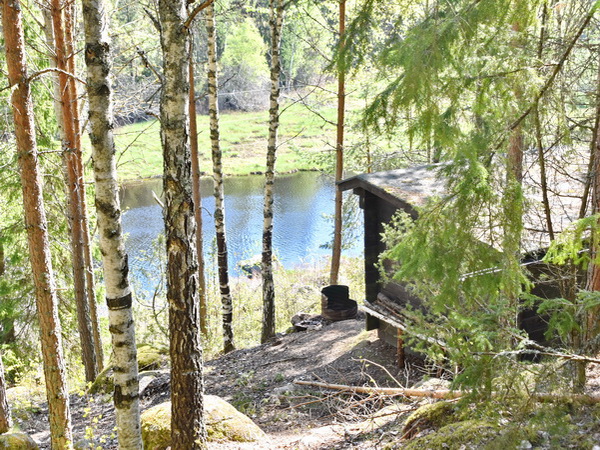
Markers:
point(377, 212)
point(381, 196)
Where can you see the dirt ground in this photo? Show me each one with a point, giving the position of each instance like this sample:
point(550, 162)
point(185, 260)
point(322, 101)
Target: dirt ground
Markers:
point(259, 381)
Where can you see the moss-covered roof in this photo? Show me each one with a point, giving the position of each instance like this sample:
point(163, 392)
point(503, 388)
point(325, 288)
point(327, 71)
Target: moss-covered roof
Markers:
point(412, 186)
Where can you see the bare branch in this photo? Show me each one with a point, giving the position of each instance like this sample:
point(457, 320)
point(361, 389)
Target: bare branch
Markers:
point(149, 65)
point(195, 12)
point(53, 69)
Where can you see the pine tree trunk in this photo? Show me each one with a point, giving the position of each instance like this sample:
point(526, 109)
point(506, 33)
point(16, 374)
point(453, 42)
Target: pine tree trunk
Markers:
point(114, 258)
point(593, 274)
point(75, 188)
point(89, 269)
point(197, 194)
point(5, 419)
point(37, 235)
point(90, 282)
point(268, 285)
point(512, 203)
point(339, 160)
point(187, 426)
point(213, 112)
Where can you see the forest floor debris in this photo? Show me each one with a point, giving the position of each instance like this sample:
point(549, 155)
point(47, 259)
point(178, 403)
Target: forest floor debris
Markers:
point(259, 382)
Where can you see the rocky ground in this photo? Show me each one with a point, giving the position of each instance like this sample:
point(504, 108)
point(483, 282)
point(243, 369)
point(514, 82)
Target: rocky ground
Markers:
point(259, 382)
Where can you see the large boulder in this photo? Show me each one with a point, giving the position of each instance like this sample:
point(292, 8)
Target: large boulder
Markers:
point(149, 359)
point(17, 441)
point(223, 423)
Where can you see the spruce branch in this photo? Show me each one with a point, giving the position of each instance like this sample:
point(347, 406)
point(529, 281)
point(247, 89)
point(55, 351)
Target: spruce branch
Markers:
point(558, 67)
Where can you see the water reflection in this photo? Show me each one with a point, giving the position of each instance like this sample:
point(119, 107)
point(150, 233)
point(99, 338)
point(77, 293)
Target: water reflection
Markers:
point(302, 203)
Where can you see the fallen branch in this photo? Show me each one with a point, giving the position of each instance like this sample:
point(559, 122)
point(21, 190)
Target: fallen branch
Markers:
point(438, 393)
point(447, 394)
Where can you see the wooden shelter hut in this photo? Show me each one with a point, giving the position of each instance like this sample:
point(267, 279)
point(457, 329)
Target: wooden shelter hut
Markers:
point(381, 195)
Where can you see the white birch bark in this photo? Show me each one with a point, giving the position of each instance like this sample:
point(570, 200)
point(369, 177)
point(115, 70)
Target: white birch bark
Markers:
point(5, 419)
point(213, 112)
point(268, 285)
point(114, 258)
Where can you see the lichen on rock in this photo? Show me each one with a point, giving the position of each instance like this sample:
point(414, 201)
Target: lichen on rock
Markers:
point(223, 423)
point(17, 441)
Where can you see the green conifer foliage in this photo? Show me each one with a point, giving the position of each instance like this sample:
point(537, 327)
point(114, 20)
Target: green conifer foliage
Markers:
point(460, 78)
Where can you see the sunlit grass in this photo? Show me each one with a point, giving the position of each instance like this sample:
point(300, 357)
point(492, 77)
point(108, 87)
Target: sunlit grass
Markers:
point(243, 142)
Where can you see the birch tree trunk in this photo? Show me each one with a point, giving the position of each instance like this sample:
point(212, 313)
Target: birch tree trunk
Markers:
point(339, 164)
point(268, 285)
point(75, 188)
point(7, 325)
point(114, 259)
point(35, 222)
point(213, 112)
point(5, 419)
point(197, 194)
point(187, 426)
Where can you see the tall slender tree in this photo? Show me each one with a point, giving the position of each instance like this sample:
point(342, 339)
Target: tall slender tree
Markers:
point(268, 285)
point(339, 151)
point(202, 298)
point(213, 112)
point(75, 188)
point(114, 259)
point(592, 326)
point(5, 418)
point(36, 225)
point(88, 266)
point(187, 426)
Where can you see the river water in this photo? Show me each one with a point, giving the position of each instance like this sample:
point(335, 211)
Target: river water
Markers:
point(302, 224)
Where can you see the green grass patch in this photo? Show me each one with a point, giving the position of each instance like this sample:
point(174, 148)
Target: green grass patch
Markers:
point(243, 141)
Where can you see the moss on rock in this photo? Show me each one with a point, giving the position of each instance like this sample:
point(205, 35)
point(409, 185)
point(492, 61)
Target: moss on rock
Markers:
point(156, 427)
point(223, 423)
point(433, 415)
point(470, 434)
point(149, 358)
point(17, 441)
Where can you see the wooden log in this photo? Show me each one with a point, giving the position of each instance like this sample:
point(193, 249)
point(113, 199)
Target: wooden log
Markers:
point(438, 393)
point(448, 394)
point(375, 311)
